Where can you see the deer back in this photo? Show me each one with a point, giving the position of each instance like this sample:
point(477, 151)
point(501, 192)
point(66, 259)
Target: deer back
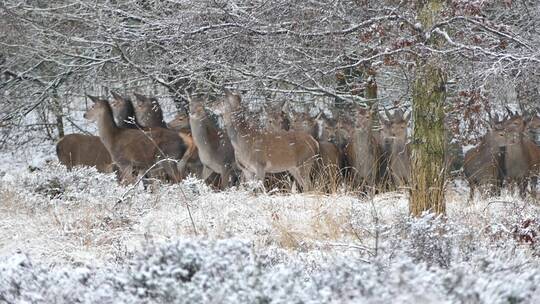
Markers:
point(83, 150)
point(275, 152)
point(215, 148)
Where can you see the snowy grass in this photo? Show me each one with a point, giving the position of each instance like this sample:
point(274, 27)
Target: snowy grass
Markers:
point(65, 237)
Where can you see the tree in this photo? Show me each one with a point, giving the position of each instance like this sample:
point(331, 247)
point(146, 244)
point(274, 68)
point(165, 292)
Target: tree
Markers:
point(428, 167)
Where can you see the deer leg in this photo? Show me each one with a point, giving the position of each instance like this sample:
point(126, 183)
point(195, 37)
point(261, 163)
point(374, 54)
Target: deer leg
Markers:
point(298, 177)
point(471, 193)
point(259, 176)
point(206, 172)
point(126, 175)
point(172, 171)
point(533, 182)
point(225, 178)
point(522, 185)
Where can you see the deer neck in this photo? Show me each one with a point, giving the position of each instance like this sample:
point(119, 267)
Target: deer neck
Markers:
point(364, 141)
point(399, 150)
point(202, 128)
point(107, 128)
point(237, 127)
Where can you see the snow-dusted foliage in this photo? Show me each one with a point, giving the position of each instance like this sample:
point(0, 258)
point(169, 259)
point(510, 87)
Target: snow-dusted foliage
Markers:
point(66, 239)
point(233, 271)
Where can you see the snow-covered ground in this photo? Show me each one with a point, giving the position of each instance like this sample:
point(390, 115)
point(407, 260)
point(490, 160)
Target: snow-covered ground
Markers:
point(78, 236)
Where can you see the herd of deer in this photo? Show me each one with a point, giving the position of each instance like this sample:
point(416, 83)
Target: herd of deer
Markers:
point(134, 140)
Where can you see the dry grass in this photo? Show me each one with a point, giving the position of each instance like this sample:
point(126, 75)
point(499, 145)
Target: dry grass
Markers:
point(85, 228)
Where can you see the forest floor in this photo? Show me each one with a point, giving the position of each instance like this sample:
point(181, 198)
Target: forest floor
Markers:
point(79, 236)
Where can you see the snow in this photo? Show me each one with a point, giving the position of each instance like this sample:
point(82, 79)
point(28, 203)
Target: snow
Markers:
point(64, 238)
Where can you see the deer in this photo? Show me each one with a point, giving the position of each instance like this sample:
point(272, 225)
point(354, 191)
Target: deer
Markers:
point(533, 125)
point(486, 163)
point(329, 161)
point(214, 146)
point(133, 149)
point(529, 123)
point(84, 150)
point(395, 149)
point(362, 152)
point(148, 112)
point(517, 156)
point(258, 153)
point(277, 121)
point(303, 122)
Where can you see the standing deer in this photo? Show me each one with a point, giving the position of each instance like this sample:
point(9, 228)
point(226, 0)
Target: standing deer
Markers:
point(215, 149)
point(138, 150)
point(517, 159)
point(363, 152)
point(395, 150)
point(303, 122)
point(192, 161)
point(258, 153)
point(533, 126)
point(529, 123)
point(485, 164)
point(148, 112)
point(328, 165)
point(84, 150)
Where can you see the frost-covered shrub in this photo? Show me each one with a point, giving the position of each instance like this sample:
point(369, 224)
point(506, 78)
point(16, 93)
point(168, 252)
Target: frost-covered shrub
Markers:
point(427, 239)
point(54, 184)
point(233, 271)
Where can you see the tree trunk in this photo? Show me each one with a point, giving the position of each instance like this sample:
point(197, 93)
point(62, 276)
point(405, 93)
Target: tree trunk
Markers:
point(58, 113)
point(428, 159)
point(428, 141)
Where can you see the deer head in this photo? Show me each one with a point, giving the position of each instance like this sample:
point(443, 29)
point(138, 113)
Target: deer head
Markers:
point(96, 110)
point(394, 128)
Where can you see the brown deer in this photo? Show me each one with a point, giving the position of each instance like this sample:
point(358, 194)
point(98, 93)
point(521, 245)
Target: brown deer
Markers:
point(277, 121)
point(258, 153)
point(148, 112)
point(303, 122)
point(486, 163)
point(123, 111)
point(517, 158)
point(133, 149)
point(394, 147)
point(363, 150)
point(84, 150)
point(532, 124)
point(215, 149)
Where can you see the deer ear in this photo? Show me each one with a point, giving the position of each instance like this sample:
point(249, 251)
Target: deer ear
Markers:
point(388, 115)
point(93, 98)
point(408, 116)
point(510, 113)
point(398, 114)
point(140, 97)
point(116, 95)
point(385, 122)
